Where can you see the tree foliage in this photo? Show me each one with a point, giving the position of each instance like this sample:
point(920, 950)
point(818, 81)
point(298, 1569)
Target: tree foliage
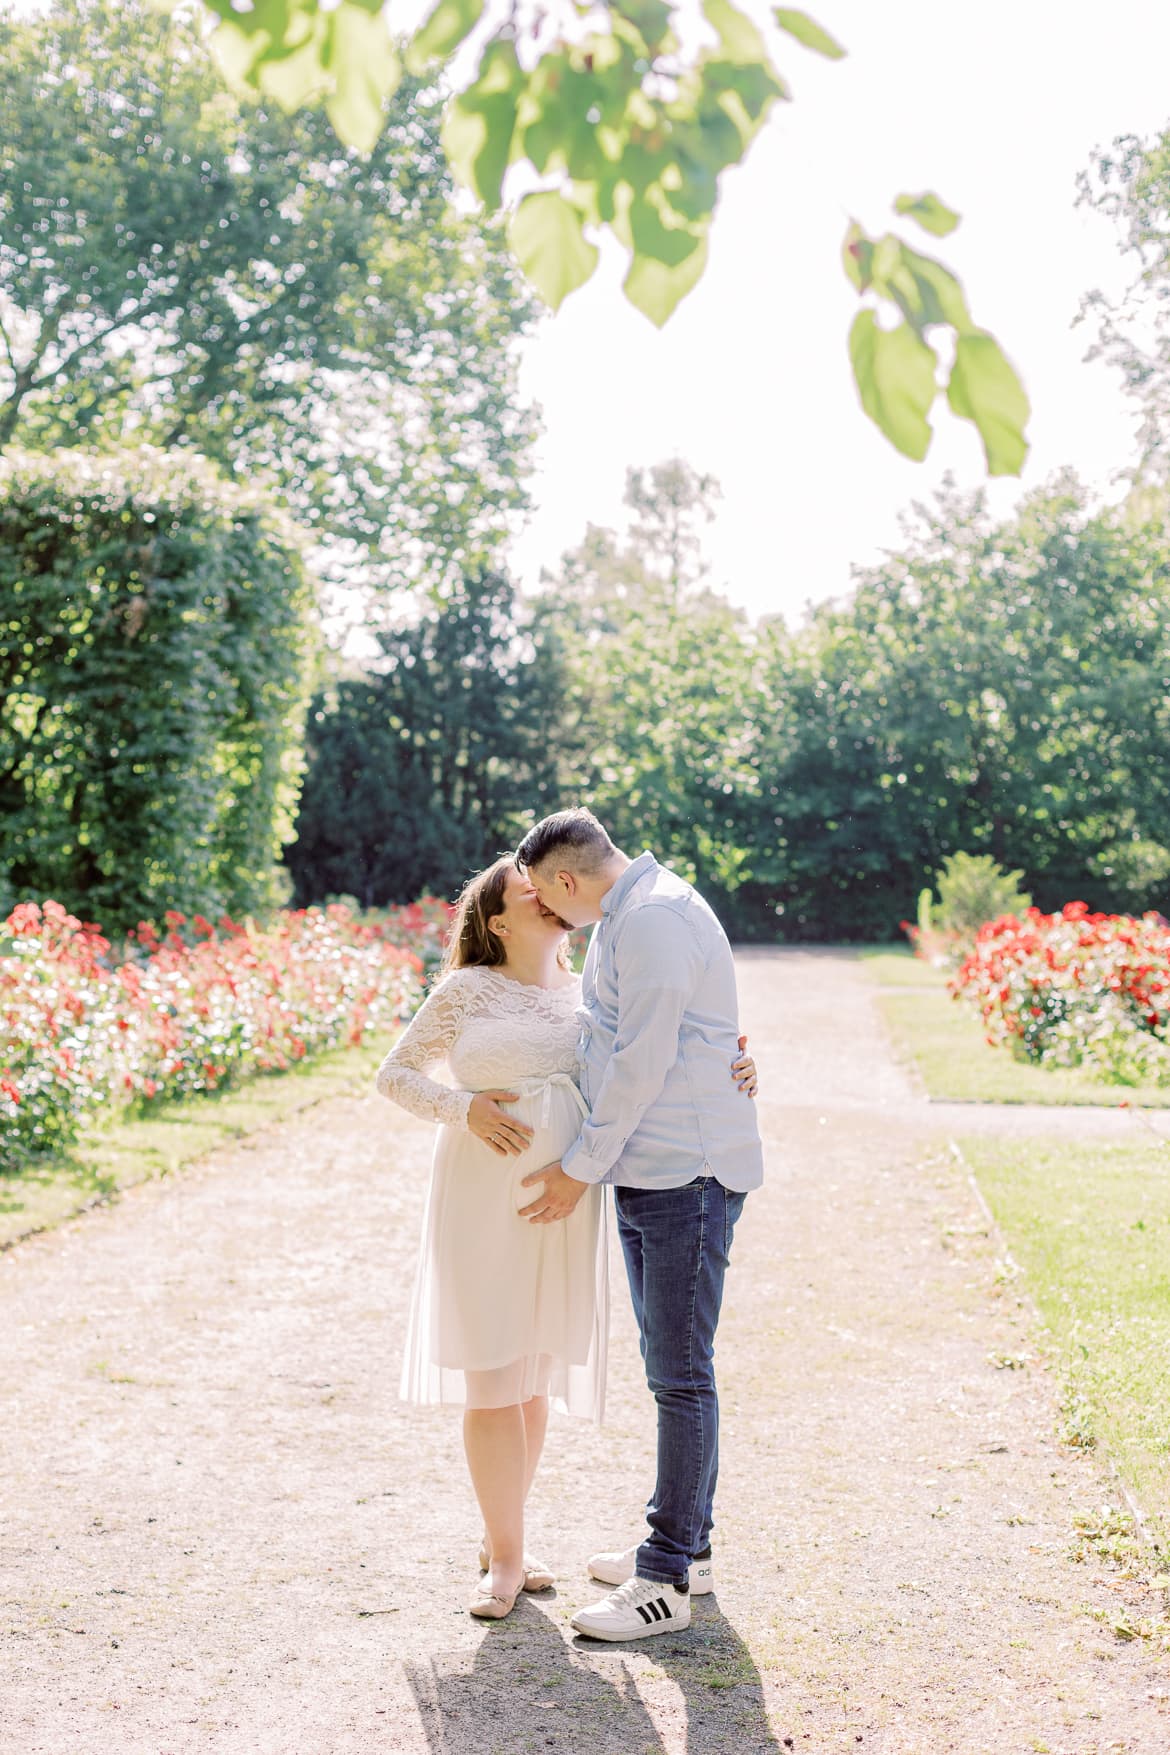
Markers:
point(201, 272)
point(997, 688)
point(629, 115)
point(152, 678)
point(1130, 184)
point(431, 763)
point(657, 719)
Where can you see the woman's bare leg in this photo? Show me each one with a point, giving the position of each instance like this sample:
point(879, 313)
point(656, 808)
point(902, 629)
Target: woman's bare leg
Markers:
point(535, 1411)
point(497, 1456)
point(535, 1414)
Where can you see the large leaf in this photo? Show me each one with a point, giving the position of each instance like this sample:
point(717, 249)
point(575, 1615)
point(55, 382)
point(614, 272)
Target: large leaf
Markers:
point(657, 287)
point(895, 370)
point(297, 75)
point(548, 237)
point(806, 30)
point(984, 388)
point(296, 53)
point(652, 18)
point(932, 214)
point(650, 236)
point(441, 34)
point(479, 124)
point(740, 41)
point(365, 68)
point(925, 292)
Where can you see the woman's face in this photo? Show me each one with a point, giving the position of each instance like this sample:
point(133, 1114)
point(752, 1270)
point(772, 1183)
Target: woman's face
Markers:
point(524, 915)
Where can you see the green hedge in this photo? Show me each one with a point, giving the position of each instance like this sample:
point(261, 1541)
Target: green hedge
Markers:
point(153, 668)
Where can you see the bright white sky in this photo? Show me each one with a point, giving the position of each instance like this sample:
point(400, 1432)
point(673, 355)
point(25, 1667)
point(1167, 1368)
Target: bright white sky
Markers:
point(996, 107)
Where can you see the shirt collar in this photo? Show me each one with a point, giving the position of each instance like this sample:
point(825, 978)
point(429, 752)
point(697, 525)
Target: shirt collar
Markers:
point(637, 868)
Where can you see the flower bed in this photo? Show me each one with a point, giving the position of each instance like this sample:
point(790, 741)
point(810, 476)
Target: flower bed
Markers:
point(189, 1009)
point(1075, 989)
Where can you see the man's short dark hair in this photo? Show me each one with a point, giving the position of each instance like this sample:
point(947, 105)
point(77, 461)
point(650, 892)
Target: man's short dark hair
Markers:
point(574, 835)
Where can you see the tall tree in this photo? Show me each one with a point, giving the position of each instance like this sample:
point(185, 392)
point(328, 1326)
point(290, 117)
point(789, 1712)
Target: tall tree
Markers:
point(991, 688)
point(434, 761)
point(209, 273)
point(671, 502)
point(660, 735)
point(1130, 184)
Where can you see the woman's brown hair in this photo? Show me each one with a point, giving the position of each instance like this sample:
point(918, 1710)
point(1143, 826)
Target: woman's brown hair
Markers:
point(471, 942)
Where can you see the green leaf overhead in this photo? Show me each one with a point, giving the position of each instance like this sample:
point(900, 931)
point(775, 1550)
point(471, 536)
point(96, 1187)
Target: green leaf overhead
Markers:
point(894, 369)
point(984, 388)
point(365, 68)
point(451, 22)
point(479, 124)
point(656, 287)
point(297, 51)
point(740, 40)
point(932, 214)
point(630, 118)
point(548, 236)
point(808, 32)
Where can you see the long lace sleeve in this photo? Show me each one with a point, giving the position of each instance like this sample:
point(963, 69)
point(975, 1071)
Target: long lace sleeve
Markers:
point(424, 1044)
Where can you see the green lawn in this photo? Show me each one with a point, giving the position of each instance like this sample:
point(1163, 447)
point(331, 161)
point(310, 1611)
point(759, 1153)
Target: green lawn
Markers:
point(944, 1041)
point(1090, 1227)
point(110, 1158)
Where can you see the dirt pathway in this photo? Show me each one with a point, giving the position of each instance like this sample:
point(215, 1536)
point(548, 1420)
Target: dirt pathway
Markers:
point(221, 1533)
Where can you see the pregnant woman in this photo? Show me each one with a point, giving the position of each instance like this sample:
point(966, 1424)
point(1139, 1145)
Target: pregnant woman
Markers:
point(507, 1316)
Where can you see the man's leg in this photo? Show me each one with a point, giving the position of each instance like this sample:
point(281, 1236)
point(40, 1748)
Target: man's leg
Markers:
point(678, 1241)
point(631, 1242)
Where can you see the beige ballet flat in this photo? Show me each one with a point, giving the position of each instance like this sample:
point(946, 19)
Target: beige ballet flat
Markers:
point(536, 1576)
point(488, 1606)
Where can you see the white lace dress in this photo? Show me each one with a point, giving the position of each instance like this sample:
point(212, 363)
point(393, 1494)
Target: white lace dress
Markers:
point(502, 1309)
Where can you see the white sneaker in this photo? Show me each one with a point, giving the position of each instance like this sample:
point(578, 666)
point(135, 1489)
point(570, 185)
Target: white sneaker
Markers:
point(616, 1565)
point(635, 1610)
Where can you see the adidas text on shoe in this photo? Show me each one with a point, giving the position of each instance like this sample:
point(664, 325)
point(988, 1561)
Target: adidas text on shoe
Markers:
point(702, 1575)
point(636, 1610)
point(614, 1566)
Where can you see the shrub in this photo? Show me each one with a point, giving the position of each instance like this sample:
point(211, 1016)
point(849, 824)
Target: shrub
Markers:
point(152, 686)
point(972, 889)
point(190, 1008)
point(1075, 988)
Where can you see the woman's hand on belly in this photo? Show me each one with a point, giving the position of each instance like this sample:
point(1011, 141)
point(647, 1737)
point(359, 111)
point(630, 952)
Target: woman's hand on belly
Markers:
point(500, 1132)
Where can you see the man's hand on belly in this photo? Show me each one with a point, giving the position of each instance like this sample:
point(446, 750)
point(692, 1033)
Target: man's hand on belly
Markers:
point(558, 1198)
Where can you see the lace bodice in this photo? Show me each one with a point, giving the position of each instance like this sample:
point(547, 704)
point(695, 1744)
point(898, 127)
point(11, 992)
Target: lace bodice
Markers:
point(491, 1031)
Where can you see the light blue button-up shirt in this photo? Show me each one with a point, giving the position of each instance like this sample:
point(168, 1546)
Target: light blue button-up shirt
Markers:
point(659, 1030)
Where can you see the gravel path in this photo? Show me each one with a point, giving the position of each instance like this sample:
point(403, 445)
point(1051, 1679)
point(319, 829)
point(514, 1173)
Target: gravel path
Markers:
point(221, 1533)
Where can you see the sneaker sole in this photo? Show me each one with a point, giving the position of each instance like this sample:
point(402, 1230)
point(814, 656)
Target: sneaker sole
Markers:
point(701, 1580)
point(613, 1638)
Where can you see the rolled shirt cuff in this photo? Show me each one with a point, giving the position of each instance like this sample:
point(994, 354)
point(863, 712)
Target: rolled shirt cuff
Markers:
point(577, 1163)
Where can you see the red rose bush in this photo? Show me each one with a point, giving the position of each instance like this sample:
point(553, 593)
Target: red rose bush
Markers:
point(188, 1008)
point(1075, 989)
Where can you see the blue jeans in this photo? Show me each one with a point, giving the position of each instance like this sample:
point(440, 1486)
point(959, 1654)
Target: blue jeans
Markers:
point(676, 1242)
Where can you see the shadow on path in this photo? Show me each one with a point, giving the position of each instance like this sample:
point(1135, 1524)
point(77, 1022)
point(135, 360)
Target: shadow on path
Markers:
point(695, 1693)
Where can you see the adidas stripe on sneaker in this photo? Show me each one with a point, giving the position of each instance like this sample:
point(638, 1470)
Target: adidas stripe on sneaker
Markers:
point(636, 1610)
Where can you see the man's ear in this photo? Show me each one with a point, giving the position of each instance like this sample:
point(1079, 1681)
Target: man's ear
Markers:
point(570, 882)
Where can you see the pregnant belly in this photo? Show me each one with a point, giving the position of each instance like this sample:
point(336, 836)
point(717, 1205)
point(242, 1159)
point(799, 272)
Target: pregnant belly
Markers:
point(550, 1140)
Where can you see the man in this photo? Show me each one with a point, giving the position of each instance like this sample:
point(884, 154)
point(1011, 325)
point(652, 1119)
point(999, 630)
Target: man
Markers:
point(673, 1135)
